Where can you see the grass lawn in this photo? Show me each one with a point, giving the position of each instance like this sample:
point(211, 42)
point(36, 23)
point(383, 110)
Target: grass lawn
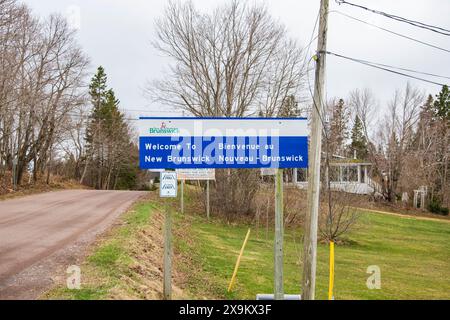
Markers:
point(413, 255)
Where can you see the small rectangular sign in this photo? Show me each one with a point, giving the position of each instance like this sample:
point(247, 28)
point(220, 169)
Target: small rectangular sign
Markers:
point(268, 171)
point(196, 174)
point(194, 143)
point(168, 184)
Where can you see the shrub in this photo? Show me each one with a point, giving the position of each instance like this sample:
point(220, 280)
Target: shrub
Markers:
point(435, 206)
point(337, 215)
point(234, 191)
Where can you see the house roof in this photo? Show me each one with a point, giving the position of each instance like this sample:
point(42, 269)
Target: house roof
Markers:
point(350, 164)
point(340, 160)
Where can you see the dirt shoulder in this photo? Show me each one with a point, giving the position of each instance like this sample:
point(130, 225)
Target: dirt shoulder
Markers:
point(27, 190)
point(125, 263)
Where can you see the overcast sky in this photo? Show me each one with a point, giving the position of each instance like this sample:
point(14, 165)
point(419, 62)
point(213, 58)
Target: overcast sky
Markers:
point(117, 33)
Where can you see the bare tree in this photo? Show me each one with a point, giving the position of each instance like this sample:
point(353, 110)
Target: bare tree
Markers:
point(396, 134)
point(426, 162)
point(41, 81)
point(71, 144)
point(364, 105)
point(234, 62)
point(337, 216)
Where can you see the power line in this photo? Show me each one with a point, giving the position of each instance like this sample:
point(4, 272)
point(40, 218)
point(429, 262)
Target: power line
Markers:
point(308, 79)
point(88, 117)
point(409, 70)
point(322, 105)
point(385, 68)
point(400, 68)
point(392, 32)
point(309, 44)
point(443, 31)
point(123, 109)
point(312, 34)
point(148, 111)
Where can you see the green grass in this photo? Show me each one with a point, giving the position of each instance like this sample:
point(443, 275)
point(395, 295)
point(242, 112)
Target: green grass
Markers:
point(103, 269)
point(413, 255)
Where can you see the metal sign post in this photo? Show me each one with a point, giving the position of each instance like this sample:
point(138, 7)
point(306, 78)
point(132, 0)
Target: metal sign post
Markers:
point(182, 196)
point(279, 234)
point(168, 189)
point(199, 175)
point(207, 200)
point(167, 285)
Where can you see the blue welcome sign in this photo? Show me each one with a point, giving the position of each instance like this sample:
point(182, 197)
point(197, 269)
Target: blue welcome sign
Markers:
point(192, 143)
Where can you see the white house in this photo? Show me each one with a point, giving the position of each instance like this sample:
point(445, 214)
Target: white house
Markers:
point(348, 175)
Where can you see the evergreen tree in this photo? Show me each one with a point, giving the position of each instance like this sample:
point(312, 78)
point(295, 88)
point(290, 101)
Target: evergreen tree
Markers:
point(98, 88)
point(425, 124)
point(442, 104)
point(338, 132)
point(441, 110)
point(359, 141)
point(108, 141)
point(98, 94)
point(289, 107)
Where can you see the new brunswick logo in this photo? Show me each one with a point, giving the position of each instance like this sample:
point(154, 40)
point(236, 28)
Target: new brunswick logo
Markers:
point(164, 130)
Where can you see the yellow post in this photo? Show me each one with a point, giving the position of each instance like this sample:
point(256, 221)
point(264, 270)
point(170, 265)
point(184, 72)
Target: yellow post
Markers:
point(233, 278)
point(331, 284)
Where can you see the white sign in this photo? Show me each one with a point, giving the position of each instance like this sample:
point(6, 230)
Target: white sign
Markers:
point(168, 185)
point(268, 171)
point(196, 174)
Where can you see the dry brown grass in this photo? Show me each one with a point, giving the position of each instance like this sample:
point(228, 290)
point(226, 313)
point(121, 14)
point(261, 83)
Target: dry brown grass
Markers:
point(262, 209)
point(126, 263)
point(56, 183)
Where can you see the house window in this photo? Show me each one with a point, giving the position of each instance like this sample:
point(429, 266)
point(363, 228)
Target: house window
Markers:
point(349, 173)
point(363, 174)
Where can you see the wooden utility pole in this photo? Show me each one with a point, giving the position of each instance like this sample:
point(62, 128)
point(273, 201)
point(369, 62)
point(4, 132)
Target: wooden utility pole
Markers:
point(279, 233)
point(310, 242)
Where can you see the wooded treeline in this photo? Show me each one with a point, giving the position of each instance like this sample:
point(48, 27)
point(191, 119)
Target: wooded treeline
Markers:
point(238, 61)
point(408, 144)
point(46, 109)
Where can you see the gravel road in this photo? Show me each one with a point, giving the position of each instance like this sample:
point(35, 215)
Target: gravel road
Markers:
point(41, 235)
